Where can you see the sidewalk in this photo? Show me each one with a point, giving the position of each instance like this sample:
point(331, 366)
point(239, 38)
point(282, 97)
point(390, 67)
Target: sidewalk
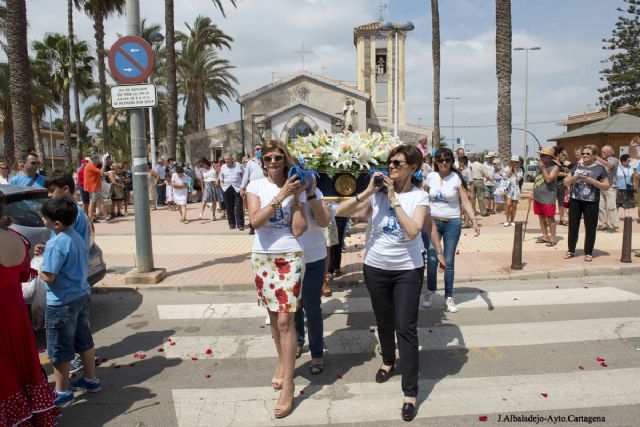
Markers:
point(207, 255)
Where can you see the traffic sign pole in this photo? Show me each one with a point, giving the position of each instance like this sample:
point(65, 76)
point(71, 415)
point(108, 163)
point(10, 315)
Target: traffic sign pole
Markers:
point(144, 251)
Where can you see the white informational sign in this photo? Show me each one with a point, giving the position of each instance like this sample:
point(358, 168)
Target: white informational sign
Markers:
point(134, 96)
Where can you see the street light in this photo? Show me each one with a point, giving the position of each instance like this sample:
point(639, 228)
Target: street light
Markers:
point(386, 29)
point(453, 116)
point(526, 93)
point(156, 39)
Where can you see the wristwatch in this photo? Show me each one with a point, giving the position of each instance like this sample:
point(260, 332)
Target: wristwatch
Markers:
point(395, 204)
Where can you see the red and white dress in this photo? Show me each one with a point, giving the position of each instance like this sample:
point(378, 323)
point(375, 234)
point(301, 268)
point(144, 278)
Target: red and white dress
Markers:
point(25, 396)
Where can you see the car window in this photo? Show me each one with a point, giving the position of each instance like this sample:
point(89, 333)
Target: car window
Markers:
point(24, 209)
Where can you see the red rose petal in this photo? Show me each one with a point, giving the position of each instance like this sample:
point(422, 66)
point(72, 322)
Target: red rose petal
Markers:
point(172, 343)
point(116, 366)
point(143, 356)
point(103, 360)
point(136, 355)
point(194, 358)
point(207, 376)
point(581, 367)
point(544, 394)
point(603, 364)
point(301, 391)
point(483, 418)
point(339, 376)
point(599, 359)
point(73, 375)
point(132, 364)
point(458, 252)
point(209, 351)
point(160, 350)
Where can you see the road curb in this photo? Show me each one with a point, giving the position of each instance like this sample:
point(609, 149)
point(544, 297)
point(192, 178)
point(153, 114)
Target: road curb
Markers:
point(568, 273)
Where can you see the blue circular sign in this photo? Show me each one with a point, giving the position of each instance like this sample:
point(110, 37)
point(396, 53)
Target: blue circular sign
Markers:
point(131, 60)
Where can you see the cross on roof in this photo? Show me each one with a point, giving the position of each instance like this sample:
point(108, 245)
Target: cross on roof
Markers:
point(382, 7)
point(302, 52)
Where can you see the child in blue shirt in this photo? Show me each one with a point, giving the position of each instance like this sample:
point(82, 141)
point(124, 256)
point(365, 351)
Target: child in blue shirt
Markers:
point(64, 270)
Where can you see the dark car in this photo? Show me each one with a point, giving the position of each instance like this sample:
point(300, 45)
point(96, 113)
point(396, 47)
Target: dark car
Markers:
point(23, 207)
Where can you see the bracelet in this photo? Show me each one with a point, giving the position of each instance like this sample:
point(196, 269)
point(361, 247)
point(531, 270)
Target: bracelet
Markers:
point(395, 204)
point(275, 204)
point(311, 197)
point(357, 198)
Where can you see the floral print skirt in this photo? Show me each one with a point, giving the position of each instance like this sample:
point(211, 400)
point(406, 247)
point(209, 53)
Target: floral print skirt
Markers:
point(278, 278)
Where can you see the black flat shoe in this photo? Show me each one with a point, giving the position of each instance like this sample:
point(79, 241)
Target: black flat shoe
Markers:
point(383, 376)
point(408, 411)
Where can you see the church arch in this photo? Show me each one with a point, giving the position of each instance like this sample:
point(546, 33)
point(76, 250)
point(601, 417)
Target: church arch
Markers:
point(299, 125)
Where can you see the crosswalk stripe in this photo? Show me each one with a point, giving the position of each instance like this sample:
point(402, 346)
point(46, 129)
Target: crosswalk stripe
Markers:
point(348, 341)
point(340, 303)
point(369, 402)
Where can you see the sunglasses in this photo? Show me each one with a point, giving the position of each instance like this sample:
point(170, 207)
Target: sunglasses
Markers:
point(444, 160)
point(35, 163)
point(587, 154)
point(276, 158)
point(396, 163)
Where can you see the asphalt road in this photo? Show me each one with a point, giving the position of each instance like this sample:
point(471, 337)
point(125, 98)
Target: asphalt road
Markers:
point(515, 349)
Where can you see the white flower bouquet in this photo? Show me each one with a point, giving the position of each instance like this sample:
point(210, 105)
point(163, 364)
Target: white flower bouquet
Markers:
point(351, 152)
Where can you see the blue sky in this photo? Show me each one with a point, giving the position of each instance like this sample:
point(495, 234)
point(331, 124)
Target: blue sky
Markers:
point(563, 76)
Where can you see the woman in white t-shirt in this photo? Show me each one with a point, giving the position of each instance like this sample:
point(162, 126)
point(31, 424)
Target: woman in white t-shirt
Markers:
point(447, 191)
point(314, 247)
point(396, 208)
point(277, 212)
point(179, 182)
point(208, 182)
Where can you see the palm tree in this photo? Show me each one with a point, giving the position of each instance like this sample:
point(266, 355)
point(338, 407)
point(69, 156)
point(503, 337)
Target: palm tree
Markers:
point(42, 98)
point(74, 77)
point(435, 54)
point(202, 74)
point(3, 15)
point(172, 89)
point(53, 53)
point(19, 74)
point(503, 74)
point(5, 112)
point(99, 11)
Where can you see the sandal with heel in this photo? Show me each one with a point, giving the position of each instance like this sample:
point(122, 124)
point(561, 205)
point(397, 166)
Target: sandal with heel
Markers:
point(281, 411)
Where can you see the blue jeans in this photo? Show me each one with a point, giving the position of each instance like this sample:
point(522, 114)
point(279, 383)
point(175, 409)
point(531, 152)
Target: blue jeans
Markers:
point(311, 293)
point(68, 330)
point(449, 232)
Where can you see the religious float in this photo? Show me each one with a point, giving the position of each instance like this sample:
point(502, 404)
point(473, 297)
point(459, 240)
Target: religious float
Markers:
point(343, 160)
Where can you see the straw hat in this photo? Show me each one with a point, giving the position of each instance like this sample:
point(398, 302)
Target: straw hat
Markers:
point(548, 151)
point(490, 154)
point(515, 159)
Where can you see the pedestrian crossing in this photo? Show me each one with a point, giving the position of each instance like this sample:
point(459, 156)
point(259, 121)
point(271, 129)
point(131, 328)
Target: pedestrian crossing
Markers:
point(518, 321)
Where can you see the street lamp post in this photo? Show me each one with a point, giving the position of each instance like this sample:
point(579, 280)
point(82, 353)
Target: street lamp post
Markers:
point(453, 119)
point(386, 29)
point(526, 94)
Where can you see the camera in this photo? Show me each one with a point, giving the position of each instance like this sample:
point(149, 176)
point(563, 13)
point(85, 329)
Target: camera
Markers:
point(378, 181)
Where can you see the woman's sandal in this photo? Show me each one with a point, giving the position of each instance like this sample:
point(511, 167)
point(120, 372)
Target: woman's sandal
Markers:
point(282, 411)
point(569, 255)
point(588, 258)
point(316, 369)
point(541, 240)
point(551, 243)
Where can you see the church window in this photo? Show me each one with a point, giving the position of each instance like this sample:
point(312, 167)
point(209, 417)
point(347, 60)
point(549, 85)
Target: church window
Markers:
point(300, 129)
point(381, 65)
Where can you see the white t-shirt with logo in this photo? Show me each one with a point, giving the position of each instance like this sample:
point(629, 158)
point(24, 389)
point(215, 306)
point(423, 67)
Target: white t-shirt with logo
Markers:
point(444, 195)
point(276, 235)
point(313, 241)
point(388, 247)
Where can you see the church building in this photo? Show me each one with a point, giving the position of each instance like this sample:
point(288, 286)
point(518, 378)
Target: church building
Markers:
point(303, 102)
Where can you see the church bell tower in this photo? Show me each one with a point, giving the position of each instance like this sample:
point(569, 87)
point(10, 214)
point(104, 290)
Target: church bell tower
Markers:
point(378, 46)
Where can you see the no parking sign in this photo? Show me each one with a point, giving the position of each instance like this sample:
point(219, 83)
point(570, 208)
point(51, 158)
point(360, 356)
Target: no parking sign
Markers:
point(131, 60)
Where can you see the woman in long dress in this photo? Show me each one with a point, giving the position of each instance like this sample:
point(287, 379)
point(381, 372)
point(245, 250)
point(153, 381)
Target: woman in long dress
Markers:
point(25, 396)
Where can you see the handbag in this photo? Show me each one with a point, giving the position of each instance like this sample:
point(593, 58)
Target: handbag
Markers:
point(629, 187)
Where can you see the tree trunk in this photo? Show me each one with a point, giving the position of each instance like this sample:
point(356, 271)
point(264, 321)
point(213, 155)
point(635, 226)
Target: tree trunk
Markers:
point(172, 89)
point(66, 127)
point(74, 77)
point(503, 74)
point(194, 115)
point(435, 54)
point(201, 110)
point(9, 146)
point(99, 28)
point(37, 137)
point(19, 76)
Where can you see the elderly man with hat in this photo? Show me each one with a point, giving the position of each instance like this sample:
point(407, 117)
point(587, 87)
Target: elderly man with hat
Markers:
point(489, 183)
point(545, 193)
